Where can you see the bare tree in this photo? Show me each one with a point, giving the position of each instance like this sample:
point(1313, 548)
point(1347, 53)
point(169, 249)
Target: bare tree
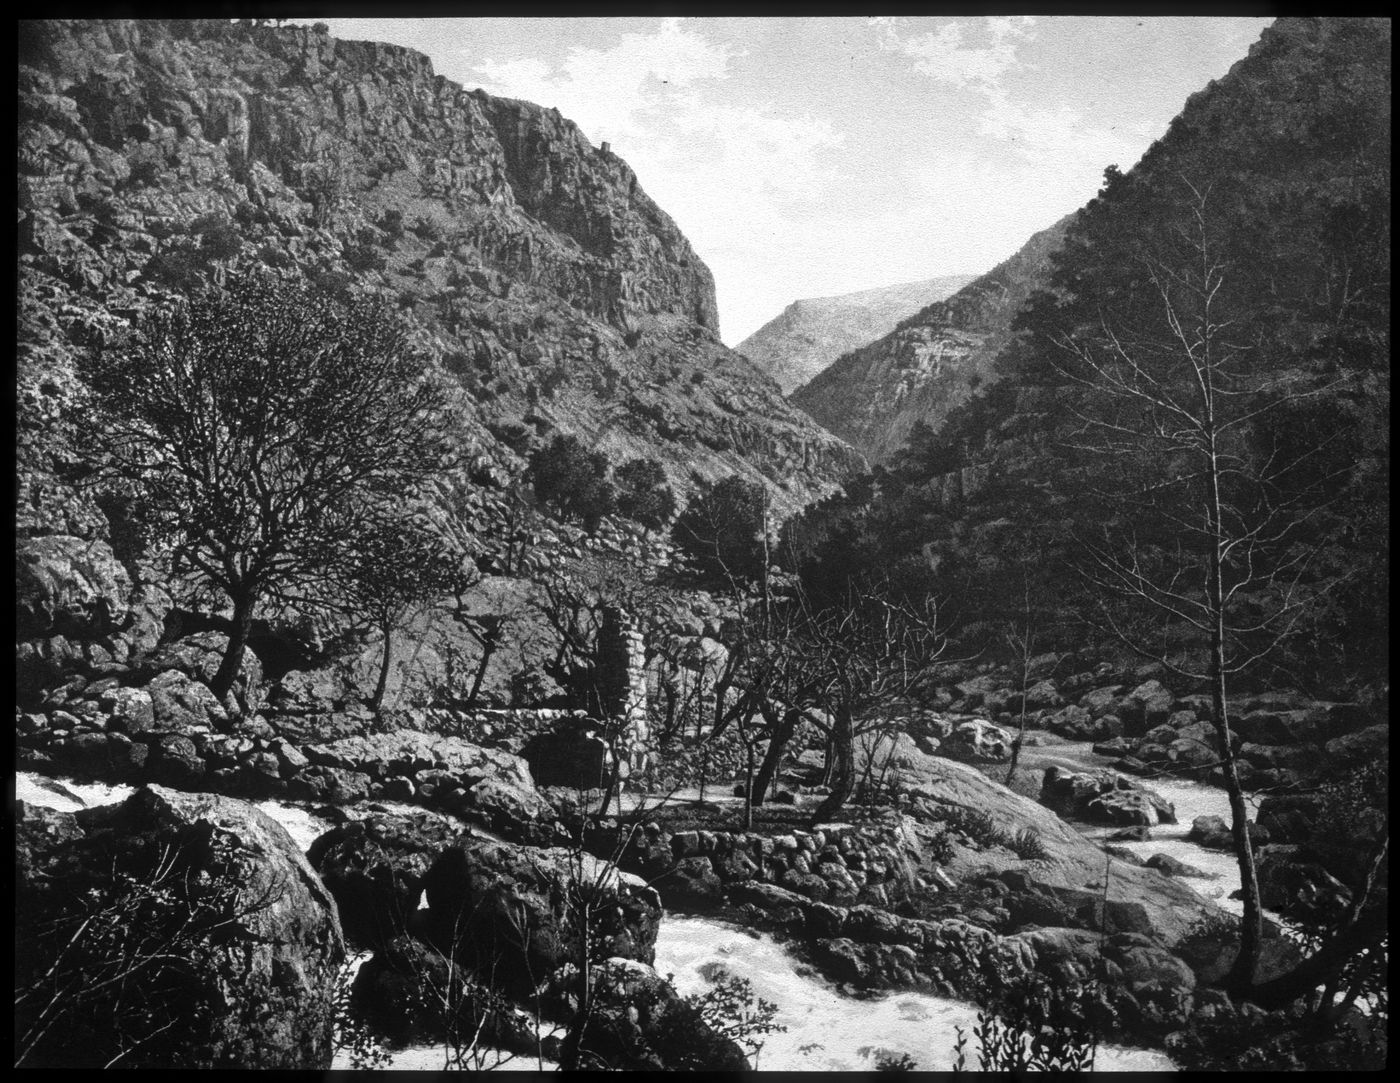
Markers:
point(839, 663)
point(1021, 639)
point(1212, 538)
point(258, 422)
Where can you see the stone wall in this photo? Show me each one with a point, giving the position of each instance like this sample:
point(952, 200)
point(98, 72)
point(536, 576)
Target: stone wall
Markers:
point(838, 863)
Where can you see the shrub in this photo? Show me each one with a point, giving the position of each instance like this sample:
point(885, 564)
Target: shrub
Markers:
point(1027, 844)
point(391, 223)
point(428, 229)
point(572, 480)
point(643, 493)
point(351, 1032)
point(176, 269)
point(1034, 1024)
point(219, 239)
point(144, 174)
point(363, 255)
point(731, 1009)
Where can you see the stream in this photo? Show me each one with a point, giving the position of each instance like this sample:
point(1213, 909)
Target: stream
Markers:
point(1189, 798)
point(826, 1029)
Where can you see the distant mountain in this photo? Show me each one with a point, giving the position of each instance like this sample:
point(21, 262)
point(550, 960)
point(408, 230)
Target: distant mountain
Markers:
point(155, 156)
point(931, 362)
point(810, 334)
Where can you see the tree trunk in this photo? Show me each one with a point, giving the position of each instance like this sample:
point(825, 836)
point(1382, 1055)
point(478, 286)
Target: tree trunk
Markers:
point(387, 627)
point(777, 742)
point(239, 628)
point(748, 787)
point(844, 775)
point(1252, 922)
point(488, 648)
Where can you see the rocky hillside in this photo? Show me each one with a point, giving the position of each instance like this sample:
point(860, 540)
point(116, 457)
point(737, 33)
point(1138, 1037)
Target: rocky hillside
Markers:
point(1290, 152)
point(931, 362)
point(807, 336)
point(155, 155)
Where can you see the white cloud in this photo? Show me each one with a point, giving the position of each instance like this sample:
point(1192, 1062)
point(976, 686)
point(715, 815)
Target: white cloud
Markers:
point(944, 54)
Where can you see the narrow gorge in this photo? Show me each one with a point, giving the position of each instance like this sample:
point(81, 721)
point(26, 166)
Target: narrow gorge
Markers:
point(436, 649)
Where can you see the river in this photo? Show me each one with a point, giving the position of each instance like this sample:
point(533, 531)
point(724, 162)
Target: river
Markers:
point(826, 1030)
point(1189, 799)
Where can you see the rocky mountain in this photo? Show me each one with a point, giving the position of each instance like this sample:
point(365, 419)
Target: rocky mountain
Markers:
point(807, 336)
point(930, 362)
point(156, 155)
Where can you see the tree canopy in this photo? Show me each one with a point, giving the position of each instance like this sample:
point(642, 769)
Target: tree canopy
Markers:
point(260, 421)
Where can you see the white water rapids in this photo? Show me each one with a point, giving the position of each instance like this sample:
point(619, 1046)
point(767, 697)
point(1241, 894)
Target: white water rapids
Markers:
point(826, 1030)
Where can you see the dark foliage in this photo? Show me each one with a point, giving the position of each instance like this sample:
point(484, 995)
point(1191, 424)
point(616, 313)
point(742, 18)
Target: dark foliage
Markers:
point(643, 494)
point(721, 532)
point(572, 481)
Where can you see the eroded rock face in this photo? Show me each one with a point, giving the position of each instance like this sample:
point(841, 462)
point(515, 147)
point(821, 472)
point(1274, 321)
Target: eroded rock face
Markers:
point(257, 991)
point(1161, 907)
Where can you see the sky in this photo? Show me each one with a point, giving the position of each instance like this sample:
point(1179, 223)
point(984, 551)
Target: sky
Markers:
point(810, 157)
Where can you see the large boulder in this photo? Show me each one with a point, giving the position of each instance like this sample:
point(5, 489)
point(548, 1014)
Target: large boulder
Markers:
point(1298, 888)
point(1370, 745)
point(973, 690)
point(68, 586)
point(978, 742)
point(1074, 866)
point(1103, 798)
point(180, 704)
point(208, 909)
point(1102, 701)
point(1275, 727)
point(519, 913)
point(516, 813)
point(374, 868)
point(1147, 705)
point(1042, 696)
point(1289, 818)
point(411, 993)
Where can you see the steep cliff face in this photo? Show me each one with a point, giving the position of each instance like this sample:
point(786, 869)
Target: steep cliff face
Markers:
point(157, 154)
point(808, 335)
point(932, 361)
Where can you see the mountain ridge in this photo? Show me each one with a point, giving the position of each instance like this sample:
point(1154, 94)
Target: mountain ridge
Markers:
point(812, 332)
